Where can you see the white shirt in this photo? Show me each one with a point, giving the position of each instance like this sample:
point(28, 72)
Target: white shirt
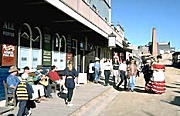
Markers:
point(123, 67)
point(90, 67)
point(107, 66)
point(24, 76)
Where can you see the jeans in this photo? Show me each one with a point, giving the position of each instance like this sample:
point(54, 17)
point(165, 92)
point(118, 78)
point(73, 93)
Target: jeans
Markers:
point(23, 109)
point(96, 75)
point(132, 81)
point(123, 78)
point(69, 94)
point(47, 90)
point(107, 74)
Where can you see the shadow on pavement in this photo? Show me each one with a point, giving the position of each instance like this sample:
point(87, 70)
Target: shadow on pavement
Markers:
point(148, 113)
point(175, 66)
point(177, 91)
point(176, 83)
point(176, 101)
point(62, 95)
point(139, 90)
point(172, 87)
point(139, 86)
point(10, 115)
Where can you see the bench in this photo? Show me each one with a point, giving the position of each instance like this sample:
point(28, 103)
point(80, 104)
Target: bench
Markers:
point(9, 96)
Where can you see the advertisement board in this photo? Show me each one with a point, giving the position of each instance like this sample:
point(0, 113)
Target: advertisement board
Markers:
point(8, 55)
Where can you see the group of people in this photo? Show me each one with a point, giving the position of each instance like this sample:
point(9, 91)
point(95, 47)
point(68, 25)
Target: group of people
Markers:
point(127, 71)
point(31, 87)
point(119, 70)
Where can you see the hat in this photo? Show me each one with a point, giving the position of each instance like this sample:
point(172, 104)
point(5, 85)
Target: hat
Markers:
point(26, 68)
point(39, 67)
point(97, 59)
point(13, 69)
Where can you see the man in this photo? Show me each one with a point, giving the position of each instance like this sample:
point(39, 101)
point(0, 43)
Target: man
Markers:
point(97, 69)
point(91, 71)
point(123, 71)
point(107, 71)
point(43, 80)
point(12, 79)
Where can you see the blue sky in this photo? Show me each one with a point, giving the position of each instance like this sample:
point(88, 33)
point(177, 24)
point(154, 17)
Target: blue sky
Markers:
point(138, 17)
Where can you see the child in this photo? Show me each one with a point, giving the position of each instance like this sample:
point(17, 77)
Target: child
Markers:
point(24, 94)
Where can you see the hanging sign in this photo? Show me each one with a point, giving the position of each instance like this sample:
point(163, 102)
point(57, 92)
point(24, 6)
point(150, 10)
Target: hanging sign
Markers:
point(112, 42)
point(8, 55)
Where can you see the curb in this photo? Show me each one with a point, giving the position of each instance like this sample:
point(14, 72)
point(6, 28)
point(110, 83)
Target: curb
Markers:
point(93, 102)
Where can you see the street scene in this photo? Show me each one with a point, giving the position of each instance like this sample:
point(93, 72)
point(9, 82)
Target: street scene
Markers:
point(89, 58)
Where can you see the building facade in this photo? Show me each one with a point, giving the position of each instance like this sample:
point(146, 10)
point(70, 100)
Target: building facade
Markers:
point(50, 32)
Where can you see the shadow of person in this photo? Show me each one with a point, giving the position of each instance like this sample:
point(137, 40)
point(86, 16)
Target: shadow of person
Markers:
point(10, 115)
point(175, 101)
point(139, 90)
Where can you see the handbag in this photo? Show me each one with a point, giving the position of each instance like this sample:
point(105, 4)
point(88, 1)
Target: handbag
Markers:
point(31, 104)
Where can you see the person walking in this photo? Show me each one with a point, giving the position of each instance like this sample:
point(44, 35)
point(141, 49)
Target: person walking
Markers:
point(147, 71)
point(132, 74)
point(24, 94)
point(107, 71)
point(91, 71)
point(70, 75)
point(116, 71)
point(97, 70)
point(123, 71)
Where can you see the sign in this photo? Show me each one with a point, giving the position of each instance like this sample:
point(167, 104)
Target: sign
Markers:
point(68, 44)
point(112, 42)
point(8, 55)
point(8, 29)
point(47, 55)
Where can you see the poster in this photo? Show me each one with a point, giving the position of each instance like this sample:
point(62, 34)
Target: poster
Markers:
point(8, 55)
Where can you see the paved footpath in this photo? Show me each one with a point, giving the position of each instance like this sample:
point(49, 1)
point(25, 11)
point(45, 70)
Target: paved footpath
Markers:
point(56, 106)
point(139, 103)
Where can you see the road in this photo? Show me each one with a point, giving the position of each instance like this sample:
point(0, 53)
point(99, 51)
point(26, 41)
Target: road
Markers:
point(139, 103)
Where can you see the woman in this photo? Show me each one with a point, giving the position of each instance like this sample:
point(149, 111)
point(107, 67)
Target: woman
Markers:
point(157, 83)
point(70, 74)
point(132, 74)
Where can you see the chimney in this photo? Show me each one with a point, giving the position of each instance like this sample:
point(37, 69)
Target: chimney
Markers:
point(154, 43)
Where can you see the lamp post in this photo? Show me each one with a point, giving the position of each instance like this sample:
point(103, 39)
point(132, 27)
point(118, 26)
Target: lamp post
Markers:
point(112, 40)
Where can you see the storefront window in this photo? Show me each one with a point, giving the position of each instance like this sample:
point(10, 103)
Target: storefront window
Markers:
point(36, 37)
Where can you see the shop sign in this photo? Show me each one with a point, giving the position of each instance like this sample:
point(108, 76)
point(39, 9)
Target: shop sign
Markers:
point(8, 29)
point(68, 44)
point(8, 55)
point(47, 59)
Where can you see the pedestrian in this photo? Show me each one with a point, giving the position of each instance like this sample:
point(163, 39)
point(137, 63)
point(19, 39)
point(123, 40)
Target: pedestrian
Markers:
point(157, 83)
point(97, 69)
point(147, 71)
point(123, 72)
point(107, 71)
point(24, 94)
point(70, 75)
point(91, 71)
point(132, 74)
point(116, 71)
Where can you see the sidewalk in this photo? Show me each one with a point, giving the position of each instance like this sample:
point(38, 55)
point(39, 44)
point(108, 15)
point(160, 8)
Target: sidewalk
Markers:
point(56, 106)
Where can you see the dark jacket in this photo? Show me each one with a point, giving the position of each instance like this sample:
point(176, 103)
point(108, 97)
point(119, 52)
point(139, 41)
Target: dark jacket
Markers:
point(69, 82)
